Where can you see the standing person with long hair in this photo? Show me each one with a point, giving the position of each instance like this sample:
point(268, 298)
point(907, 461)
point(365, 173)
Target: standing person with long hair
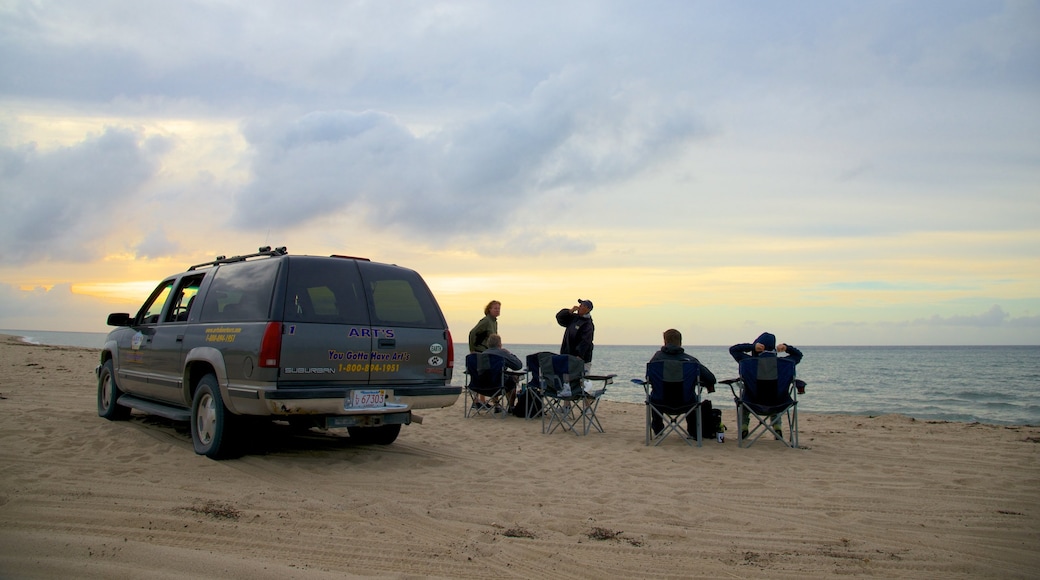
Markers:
point(479, 335)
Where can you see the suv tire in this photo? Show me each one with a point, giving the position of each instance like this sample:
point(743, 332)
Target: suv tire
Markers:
point(108, 394)
point(212, 426)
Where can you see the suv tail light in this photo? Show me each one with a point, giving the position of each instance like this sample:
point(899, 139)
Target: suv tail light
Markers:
point(451, 349)
point(271, 345)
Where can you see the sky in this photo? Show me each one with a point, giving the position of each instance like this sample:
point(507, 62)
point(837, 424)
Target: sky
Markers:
point(837, 173)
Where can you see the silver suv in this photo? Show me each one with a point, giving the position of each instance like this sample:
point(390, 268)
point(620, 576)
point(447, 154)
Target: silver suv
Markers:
point(316, 341)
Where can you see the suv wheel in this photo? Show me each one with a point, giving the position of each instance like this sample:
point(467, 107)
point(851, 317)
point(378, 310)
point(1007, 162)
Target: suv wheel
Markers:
point(212, 426)
point(107, 395)
point(382, 435)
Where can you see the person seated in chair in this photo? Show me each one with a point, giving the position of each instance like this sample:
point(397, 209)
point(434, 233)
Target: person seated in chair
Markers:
point(764, 346)
point(513, 362)
point(673, 350)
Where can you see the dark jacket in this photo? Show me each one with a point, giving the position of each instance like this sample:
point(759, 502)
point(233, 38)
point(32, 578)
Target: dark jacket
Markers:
point(511, 360)
point(577, 339)
point(706, 379)
point(745, 350)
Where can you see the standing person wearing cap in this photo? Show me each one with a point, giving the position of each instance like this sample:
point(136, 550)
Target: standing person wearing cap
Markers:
point(765, 345)
point(577, 339)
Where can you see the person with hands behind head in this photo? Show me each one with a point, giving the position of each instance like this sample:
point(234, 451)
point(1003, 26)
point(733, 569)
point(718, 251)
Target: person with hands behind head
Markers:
point(764, 346)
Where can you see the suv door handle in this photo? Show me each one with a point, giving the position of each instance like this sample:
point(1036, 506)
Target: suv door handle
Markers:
point(387, 343)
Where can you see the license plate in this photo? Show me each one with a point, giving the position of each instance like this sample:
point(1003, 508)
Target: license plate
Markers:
point(367, 399)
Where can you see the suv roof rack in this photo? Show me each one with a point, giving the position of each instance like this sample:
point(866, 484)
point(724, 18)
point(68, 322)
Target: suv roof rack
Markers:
point(265, 251)
point(349, 257)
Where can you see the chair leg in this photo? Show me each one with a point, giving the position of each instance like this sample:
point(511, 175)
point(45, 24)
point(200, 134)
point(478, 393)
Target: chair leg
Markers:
point(771, 424)
point(697, 412)
point(588, 417)
point(559, 413)
point(670, 424)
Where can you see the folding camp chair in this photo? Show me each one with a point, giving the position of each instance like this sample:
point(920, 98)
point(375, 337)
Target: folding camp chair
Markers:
point(485, 375)
point(559, 383)
point(673, 393)
point(768, 391)
point(590, 400)
point(565, 403)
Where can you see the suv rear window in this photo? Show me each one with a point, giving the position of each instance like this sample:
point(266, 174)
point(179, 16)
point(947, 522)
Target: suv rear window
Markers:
point(400, 297)
point(241, 292)
point(348, 292)
point(325, 291)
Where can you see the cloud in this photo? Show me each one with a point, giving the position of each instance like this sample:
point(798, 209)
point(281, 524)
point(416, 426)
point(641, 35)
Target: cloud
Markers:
point(572, 134)
point(57, 203)
point(995, 316)
point(156, 244)
point(56, 308)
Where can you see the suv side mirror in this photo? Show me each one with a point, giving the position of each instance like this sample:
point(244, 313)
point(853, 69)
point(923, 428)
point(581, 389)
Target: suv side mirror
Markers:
point(119, 319)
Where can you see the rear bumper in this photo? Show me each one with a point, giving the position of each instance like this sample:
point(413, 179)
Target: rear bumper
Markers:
point(332, 401)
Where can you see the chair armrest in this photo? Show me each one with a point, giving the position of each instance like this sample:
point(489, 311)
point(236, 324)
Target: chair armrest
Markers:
point(734, 385)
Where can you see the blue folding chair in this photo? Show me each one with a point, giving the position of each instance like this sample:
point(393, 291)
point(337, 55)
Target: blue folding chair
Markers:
point(673, 394)
point(485, 375)
point(767, 390)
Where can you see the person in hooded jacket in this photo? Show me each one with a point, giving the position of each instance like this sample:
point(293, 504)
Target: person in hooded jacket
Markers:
point(765, 345)
point(673, 350)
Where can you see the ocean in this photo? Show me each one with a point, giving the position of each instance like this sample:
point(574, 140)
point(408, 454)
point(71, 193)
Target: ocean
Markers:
point(988, 384)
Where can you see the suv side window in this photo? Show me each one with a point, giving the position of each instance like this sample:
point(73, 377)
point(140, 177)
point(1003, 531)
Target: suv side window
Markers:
point(184, 298)
point(399, 297)
point(241, 292)
point(325, 291)
point(150, 312)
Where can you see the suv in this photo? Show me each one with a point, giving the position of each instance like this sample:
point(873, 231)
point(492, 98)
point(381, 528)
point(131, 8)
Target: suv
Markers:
point(316, 341)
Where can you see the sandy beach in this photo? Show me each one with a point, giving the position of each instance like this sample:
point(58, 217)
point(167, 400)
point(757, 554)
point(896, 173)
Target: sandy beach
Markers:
point(880, 496)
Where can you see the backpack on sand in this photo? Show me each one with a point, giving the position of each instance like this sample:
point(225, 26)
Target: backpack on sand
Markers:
point(527, 399)
point(711, 419)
